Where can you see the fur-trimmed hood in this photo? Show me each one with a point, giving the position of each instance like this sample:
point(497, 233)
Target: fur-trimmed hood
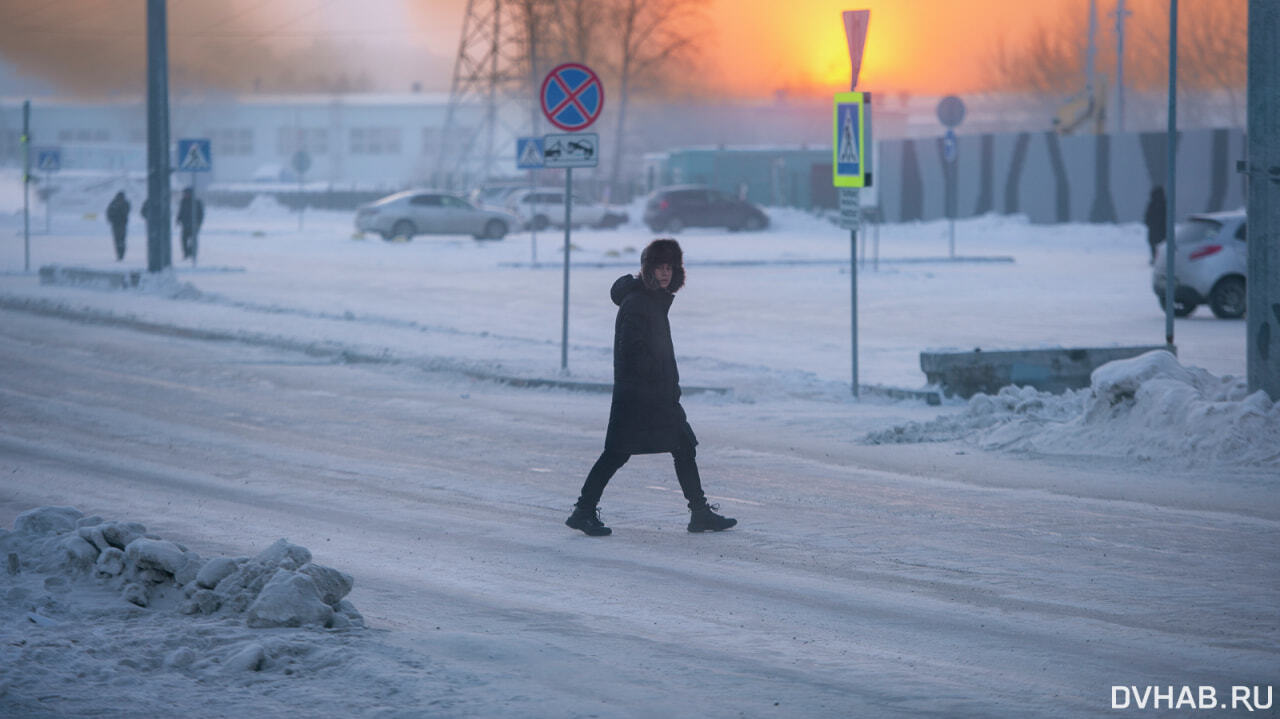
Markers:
point(662, 251)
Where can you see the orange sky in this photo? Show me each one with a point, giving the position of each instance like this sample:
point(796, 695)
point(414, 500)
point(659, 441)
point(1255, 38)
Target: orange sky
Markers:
point(921, 46)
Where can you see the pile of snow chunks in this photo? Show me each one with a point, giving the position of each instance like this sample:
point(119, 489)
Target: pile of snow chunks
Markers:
point(280, 587)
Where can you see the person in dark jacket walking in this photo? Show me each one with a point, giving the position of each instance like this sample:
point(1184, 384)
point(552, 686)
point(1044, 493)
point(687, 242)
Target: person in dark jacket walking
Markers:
point(1154, 218)
point(645, 416)
point(190, 216)
point(118, 216)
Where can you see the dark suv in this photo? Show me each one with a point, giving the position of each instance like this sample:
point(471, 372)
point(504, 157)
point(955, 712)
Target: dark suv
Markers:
point(672, 209)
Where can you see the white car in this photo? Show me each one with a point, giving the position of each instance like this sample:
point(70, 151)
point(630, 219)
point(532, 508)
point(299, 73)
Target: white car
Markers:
point(1209, 265)
point(540, 208)
point(429, 212)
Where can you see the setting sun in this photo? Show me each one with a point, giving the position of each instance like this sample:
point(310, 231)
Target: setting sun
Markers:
point(923, 46)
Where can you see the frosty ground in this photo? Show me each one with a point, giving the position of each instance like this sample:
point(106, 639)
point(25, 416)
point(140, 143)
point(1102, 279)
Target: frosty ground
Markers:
point(1014, 556)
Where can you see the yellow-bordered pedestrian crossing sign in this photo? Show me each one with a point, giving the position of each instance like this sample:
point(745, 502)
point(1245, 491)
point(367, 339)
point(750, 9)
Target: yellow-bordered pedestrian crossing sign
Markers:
point(849, 166)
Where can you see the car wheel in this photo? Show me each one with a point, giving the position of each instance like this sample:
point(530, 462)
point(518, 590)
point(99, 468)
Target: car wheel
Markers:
point(540, 222)
point(1227, 298)
point(403, 228)
point(752, 224)
point(674, 225)
point(1180, 308)
point(494, 230)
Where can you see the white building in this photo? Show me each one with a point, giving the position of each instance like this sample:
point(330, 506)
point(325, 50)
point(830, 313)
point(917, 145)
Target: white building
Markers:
point(355, 140)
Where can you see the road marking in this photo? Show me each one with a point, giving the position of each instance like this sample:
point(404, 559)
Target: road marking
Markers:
point(709, 496)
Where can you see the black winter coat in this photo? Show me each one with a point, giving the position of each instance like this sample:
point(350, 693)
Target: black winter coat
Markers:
point(190, 215)
point(118, 211)
point(1154, 217)
point(646, 416)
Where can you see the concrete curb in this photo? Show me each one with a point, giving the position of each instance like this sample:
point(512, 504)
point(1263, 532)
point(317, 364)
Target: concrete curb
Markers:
point(339, 353)
point(1054, 370)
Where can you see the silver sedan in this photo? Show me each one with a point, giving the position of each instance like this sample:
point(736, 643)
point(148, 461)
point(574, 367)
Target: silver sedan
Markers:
point(423, 212)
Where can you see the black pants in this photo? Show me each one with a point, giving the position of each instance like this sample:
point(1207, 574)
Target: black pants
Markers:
point(610, 462)
point(188, 244)
point(118, 232)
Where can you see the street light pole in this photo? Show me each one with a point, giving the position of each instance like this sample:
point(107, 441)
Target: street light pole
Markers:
point(1171, 175)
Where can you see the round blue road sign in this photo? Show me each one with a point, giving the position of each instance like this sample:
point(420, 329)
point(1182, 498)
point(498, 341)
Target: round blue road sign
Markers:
point(572, 97)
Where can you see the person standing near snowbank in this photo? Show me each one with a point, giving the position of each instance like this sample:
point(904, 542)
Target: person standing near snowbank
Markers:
point(645, 416)
point(1154, 218)
point(118, 216)
point(190, 216)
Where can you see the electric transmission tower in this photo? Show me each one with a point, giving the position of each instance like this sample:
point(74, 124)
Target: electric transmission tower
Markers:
point(493, 90)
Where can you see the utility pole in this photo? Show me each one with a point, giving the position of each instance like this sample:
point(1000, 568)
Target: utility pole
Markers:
point(488, 76)
point(1263, 287)
point(159, 240)
point(26, 186)
point(1171, 175)
point(1121, 13)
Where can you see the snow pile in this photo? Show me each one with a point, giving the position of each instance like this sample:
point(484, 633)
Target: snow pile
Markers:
point(280, 587)
point(166, 284)
point(1147, 407)
point(88, 601)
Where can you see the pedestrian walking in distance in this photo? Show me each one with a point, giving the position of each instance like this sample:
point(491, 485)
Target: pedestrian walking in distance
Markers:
point(118, 216)
point(190, 216)
point(1154, 218)
point(645, 416)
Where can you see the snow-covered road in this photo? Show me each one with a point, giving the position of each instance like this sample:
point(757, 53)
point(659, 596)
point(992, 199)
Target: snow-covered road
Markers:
point(893, 580)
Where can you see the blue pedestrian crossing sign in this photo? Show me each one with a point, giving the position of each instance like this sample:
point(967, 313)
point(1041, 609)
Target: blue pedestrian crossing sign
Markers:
point(48, 159)
point(849, 161)
point(194, 155)
point(529, 154)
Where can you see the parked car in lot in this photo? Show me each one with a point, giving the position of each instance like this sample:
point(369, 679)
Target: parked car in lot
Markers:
point(493, 194)
point(428, 212)
point(1209, 265)
point(539, 208)
point(671, 209)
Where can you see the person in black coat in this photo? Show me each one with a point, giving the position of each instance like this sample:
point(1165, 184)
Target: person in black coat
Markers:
point(1154, 218)
point(190, 216)
point(645, 416)
point(118, 216)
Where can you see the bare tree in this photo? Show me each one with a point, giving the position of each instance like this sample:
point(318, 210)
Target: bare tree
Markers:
point(1050, 60)
point(650, 37)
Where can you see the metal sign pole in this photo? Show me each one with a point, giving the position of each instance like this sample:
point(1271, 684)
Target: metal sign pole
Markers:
point(952, 190)
point(195, 226)
point(533, 224)
point(564, 331)
point(1171, 139)
point(853, 302)
point(26, 185)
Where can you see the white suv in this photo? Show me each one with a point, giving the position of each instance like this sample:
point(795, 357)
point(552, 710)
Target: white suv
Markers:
point(541, 208)
point(1209, 265)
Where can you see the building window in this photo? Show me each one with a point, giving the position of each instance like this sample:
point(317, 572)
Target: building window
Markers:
point(231, 142)
point(312, 139)
point(375, 140)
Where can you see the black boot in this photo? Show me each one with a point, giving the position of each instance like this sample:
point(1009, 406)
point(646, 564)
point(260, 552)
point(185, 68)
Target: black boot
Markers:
point(704, 519)
point(587, 520)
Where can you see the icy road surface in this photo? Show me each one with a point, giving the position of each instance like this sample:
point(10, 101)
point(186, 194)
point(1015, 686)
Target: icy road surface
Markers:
point(916, 580)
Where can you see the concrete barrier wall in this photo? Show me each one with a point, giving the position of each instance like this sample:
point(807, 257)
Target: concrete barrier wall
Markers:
point(1048, 178)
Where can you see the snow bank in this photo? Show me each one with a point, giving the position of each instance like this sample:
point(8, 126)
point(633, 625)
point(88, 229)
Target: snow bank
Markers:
point(83, 584)
point(1148, 407)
